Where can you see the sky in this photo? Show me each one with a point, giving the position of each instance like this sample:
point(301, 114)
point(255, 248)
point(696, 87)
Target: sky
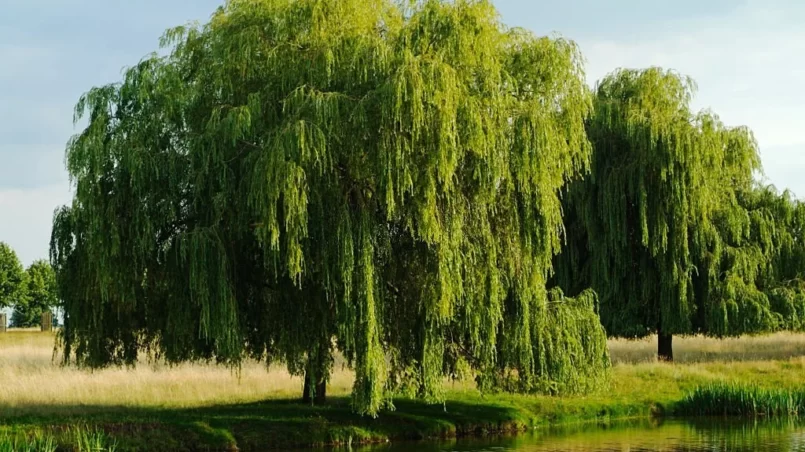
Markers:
point(747, 57)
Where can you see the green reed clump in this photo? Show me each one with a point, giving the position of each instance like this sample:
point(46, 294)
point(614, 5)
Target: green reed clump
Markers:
point(77, 439)
point(27, 443)
point(91, 440)
point(730, 399)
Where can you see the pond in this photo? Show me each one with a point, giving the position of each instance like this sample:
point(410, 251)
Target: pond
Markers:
point(673, 435)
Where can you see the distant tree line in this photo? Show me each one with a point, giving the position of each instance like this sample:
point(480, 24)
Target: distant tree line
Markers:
point(30, 292)
point(415, 187)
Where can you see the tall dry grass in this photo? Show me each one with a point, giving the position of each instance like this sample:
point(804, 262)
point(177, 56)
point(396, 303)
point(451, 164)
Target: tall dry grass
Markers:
point(31, 380)
point(699, 349)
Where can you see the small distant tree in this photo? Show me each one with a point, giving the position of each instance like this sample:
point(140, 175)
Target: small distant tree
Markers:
point(39, 294)
point(11, 276)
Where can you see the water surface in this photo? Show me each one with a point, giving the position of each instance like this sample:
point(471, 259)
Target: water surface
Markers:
point(697, 435)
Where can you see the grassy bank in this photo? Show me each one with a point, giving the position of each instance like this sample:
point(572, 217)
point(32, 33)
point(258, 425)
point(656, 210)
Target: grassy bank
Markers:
point(194, 407)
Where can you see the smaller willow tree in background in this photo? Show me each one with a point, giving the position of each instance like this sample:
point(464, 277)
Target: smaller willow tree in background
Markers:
point(300, 177)
point(651, 228)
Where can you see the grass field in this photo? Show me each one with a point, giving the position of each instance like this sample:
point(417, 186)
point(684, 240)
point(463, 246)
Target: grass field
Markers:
point(32, 381)
point(208, 406)
point(697, 349)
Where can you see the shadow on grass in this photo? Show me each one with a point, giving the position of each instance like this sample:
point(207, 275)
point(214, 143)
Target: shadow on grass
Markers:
point(276, 424)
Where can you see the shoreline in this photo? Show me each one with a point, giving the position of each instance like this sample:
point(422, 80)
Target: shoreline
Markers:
point(297, 426)
point(288, 424)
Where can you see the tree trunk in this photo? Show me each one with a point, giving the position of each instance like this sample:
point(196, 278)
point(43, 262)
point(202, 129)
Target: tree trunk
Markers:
point(316, 376)
point(306, 390)
point(665, 351)
point(321, 391)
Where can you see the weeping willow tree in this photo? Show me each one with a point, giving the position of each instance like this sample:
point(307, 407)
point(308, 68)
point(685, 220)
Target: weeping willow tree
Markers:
point(652, 227)
point(299, 178)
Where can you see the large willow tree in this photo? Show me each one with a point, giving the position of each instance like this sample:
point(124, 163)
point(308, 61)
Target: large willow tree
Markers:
point(299, 177)
point(651, 227)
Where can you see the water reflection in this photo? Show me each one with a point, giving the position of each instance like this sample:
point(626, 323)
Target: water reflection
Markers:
point(695, 436)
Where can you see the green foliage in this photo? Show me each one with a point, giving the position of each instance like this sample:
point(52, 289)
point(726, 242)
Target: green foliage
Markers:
point(12, 276)
point(40, 292)
point(296, 176)
point(569, 356)
point(754, 280)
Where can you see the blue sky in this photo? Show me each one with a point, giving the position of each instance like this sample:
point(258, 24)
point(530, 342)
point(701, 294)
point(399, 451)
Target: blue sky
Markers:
point(747, 57)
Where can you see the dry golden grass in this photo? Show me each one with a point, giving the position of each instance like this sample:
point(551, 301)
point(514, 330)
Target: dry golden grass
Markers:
point(30, 379)
point(698, 349)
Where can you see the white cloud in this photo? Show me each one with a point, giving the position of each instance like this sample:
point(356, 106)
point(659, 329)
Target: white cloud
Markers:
point(26, 216)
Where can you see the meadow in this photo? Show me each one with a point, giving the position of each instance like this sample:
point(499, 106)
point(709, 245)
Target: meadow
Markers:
point(213, 407)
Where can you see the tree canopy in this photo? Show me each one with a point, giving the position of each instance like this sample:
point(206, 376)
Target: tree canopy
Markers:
point(659, 217)
point(12, 276)
point(299, 177)
point(40, 294)
point(760, 284)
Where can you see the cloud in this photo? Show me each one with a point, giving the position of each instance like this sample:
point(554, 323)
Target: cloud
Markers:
point(26, 216)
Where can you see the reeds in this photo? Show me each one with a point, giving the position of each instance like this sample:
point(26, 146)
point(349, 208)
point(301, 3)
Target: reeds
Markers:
point(734, 399)
point(26, 443)
point(91, 440)
point(76, 439)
